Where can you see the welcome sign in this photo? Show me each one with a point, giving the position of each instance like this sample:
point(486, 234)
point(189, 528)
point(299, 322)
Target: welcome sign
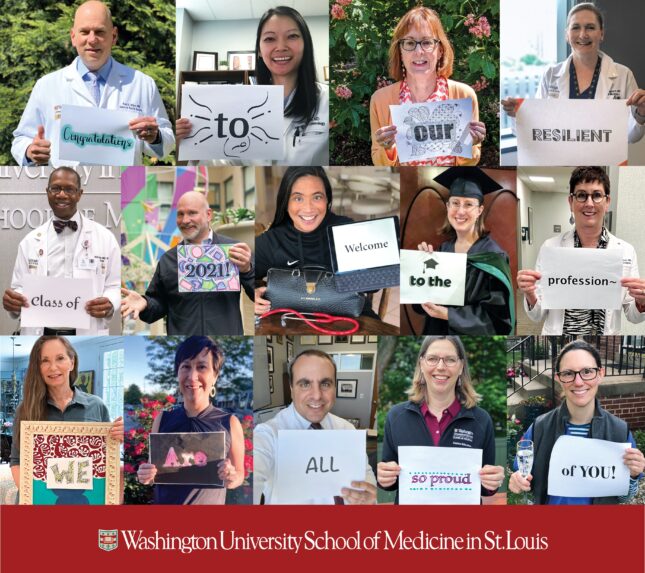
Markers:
point(206, 268)
point(96, 136)
point(434, 277)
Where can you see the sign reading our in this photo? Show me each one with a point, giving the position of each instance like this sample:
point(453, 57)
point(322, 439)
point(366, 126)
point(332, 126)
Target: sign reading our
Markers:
point(586, 467)
point(188, 458)
point(232, 122)
point(439, 476)
point(432, 129)
point(572, 132)
point(56, 302)
point(581, 278)
point(206, 268)
point(96, 136)
point(433, 277)
point(318, 464)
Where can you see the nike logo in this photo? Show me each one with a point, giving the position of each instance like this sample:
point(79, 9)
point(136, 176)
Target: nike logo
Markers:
point(290, 263)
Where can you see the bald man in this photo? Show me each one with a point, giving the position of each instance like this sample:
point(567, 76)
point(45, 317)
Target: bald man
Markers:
point(193, 313)
point(93, 79)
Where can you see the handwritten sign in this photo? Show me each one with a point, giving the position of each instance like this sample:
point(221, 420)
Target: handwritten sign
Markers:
point(433, 129)
point(572, 132)
point(56, 302)
point(232, 122)
point(581, 278)
point(433, 277)
point(96, 136)
point(189, 458)
point(585, 467)
point(318, 464)
point(439, 476)
point(206, 268)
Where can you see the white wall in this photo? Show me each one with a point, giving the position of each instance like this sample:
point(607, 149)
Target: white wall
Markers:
point(184, 40)
point(549, 209)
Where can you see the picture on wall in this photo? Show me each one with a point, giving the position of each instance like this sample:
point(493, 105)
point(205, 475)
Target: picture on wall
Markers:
point(241, 60)
point(85, 381)
point(204, 61)
point(346, 388)
point(270, 357)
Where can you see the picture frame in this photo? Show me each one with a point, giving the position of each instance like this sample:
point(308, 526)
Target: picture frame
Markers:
point(357, 339)
point(346, 388)
point(241, 60)
point(289, 351)
point(530, 226)
point(279, 338)
point(85, 381)
point(38, 478)
point(342, 339)
point(372, 338)
point(205, 61)
point(308, 340)
point(325, 339)
point(269, 338)
point(356, 422)
point(271, 387)
point(270, 357)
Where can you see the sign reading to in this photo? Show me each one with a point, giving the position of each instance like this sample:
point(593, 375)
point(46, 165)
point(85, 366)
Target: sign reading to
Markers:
point(572, 132)
point(585, 467)
point(232, 122)
point(432, 129)
point(433, 277)
point(206, 268)
point(96, 136)
point(581, 278)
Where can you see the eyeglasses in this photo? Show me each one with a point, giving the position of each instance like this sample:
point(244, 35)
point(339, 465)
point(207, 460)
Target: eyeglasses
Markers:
point(586, 374)
point(456, 205)
point(449, 361)
point(427, 45)
point(596, 196)
point(55, 190)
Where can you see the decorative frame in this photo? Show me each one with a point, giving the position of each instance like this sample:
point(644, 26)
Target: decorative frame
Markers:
point(246, 62)
point(325, 339)
point(289, 351)
point(372, 338)
point(279, 338)
point(357, 339)
point(346, 388)
point(85, 381)
point(308, 340)
point(205, 61)
point(341, 339)
point(40, 441)
point(270, 357)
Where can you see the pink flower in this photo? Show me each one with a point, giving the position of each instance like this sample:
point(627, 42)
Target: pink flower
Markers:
point(479, 85)
point(470, 20)
point(248, 444)
point(338, 12)
point(170, 399)
point(129, 468)
point(481, 29)
point(343, 92)
point(344, 2)
point(484, 26)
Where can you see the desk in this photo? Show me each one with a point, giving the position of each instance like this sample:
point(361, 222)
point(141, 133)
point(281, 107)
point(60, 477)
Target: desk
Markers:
point(367, 325)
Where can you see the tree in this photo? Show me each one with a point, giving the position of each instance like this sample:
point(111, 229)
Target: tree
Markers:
point(132, 395)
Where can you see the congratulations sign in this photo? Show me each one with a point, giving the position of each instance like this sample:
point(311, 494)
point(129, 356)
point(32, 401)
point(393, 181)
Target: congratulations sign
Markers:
point(206, 268)
point(232, 122)
point(585, 467)
point(432, 129)
point(96, 136)
point(433, 277)
point(439, 476)
point(572, 132)
point(581, 278)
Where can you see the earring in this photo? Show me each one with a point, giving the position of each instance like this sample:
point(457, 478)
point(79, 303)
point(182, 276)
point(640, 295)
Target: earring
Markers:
point(572, 221)
point(403, 70)
point(213, 391)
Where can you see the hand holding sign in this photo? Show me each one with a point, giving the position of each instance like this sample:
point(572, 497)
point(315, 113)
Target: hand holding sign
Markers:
point(436, 278)
point(146, 128)
point(635, 287)
point(40, 149)
point(361, 493)
point(527, 283)
point(635, 461)
point(387, 473)
point(13, 301)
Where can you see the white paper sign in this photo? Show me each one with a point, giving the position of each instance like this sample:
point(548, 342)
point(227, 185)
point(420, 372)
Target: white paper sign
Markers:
point(433, 129)
point(572, 132)
point(69, 473)
point(585, 467)
point(232, 122)
point(433, 277)
point(581, 278)
point(439, 476)
point(317, 464)
point(96, 136)
point(366, 245)
point(56, 302)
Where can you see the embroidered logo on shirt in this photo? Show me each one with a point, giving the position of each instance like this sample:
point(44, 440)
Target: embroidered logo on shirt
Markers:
point(464, 437)
point(291, 263)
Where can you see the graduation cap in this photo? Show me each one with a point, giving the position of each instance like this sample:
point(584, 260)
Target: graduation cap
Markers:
point(429, 264)
point(469, 182)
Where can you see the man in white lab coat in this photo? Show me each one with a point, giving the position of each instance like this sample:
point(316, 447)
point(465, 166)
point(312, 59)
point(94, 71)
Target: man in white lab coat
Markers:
point(93, 79)
point(68, 245)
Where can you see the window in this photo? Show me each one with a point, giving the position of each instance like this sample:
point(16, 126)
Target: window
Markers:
point(228, 192)
point(215, 192)
point(249, 187)
point(350, 362)
point(113, 381)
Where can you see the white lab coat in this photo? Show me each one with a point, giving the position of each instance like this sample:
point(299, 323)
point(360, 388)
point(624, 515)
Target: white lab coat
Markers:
point(101, 244)
point(555, 318)
point(126, 89)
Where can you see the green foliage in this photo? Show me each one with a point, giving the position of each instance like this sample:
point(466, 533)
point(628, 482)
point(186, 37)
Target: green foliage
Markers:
point(132, 394)
point(359, 45)
point(639, 436)
point(34, 41)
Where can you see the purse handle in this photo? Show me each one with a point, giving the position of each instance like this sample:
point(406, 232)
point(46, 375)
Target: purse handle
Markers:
point(320, 317)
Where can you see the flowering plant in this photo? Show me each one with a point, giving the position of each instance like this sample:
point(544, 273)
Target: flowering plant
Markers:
point(513, 427)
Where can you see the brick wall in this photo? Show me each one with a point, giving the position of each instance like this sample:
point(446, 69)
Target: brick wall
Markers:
point(629, 407)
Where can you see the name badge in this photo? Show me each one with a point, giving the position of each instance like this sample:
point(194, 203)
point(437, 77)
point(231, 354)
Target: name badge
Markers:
point(87, 264)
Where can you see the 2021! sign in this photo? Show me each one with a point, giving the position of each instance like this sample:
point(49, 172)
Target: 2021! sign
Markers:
point(206, 268)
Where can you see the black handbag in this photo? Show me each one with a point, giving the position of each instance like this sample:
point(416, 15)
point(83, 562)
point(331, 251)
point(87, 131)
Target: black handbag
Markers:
point(311, 289)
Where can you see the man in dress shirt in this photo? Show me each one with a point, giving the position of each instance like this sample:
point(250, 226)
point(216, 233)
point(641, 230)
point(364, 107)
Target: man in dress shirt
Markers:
point(199, 313)
point(94, 79)
point(68, 245)
point(312, 377)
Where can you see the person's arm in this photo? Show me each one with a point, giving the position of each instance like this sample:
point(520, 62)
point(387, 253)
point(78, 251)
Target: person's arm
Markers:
point(477, 147)
point(633, 299)
point(27, 129)
point(156, 297)
point(380, 117)
point(491, 476)
point(15, 474)
point(635, 98)
point(388, 468)
point(231, 470)
point(166, 142)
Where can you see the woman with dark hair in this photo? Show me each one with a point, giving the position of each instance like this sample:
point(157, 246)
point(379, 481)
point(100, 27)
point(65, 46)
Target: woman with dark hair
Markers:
point(198, 361)
point(579, 371)
point(284, 55)
point(442, 410)
point(49, 394)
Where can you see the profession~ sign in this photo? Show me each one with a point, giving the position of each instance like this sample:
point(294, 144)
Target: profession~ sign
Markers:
point(432, 129)
point(96, 136)
point(439, 476)
point(586, 467)
point(572, 132)
point(581, 278)
point(206, 268)
point(435, 277)
point(232, 122)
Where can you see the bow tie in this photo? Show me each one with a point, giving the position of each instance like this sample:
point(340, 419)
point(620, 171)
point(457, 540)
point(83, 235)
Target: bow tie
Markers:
point(60, 225)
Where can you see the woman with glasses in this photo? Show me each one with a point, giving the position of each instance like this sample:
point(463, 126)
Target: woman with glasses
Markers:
point(421, 60)
point(579, 372)
point(589, 202)
point(442, 411)
point(488, 303)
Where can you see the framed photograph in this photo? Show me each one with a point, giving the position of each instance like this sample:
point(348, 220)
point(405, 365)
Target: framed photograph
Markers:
point(372, 338)
point(85, 381)
point(270, 356)
point(326, 339)
point(308, 340)
point(357, 339)
point(241, 60)
point(326, 73)
point(354, 422)
point(271, 388)
point(289, 337)
point(68, 463)
point(269, 338)
point(289, 351)
point(279, 338)
point(346, 388)
point(205, 61)
point(343, 339)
